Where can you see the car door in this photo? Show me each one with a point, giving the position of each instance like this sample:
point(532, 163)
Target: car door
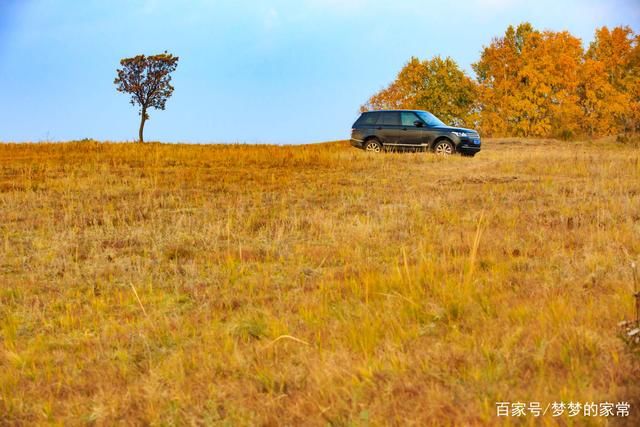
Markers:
point(431, 133)
point(389, 129)
point(365, 126)
point(413, 132)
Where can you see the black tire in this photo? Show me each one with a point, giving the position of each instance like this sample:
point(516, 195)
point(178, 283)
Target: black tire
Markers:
point(444, 147)
point(372, 145)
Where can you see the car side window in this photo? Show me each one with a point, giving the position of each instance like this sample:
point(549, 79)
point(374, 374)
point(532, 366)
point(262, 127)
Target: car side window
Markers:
point(370, 119)
point(408, 118)
point(390, 118)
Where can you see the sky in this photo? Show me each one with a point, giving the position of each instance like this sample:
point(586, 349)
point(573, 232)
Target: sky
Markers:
point(261, 71)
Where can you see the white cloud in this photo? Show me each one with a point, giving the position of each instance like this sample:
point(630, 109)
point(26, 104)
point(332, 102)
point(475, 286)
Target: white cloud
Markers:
point(343, 6)
point(149, 6)
point(271, 19)
point(495, 4)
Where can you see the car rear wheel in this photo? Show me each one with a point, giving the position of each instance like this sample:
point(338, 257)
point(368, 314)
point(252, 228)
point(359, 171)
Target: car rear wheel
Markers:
point(373, 145)
point(444, 148)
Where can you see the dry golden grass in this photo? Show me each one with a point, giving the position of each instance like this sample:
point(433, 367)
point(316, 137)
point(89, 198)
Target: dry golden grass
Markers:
point(168, 284)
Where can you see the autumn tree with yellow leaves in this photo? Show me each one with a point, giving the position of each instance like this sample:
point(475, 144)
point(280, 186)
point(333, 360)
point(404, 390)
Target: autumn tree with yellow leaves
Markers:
point(433, 85)
point(610, 82)
point(529, 80)
point(530, 83)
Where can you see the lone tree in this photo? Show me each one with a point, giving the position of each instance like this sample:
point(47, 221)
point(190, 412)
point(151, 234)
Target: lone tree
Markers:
point(148, 80)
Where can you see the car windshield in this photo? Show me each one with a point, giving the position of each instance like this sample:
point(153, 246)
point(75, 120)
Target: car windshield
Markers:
point(430, 119)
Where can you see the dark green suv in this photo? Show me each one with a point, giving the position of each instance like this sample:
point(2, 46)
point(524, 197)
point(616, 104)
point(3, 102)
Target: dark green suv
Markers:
point(411, 130)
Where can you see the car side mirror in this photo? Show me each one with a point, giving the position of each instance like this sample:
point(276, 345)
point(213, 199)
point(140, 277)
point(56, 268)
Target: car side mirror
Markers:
point(418, 123)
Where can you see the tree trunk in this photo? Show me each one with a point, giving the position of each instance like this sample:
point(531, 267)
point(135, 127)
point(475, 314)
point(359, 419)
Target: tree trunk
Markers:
point(143, 118)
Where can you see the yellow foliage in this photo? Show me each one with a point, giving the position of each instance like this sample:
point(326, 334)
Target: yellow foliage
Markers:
point(530, 83)
point(433, 85)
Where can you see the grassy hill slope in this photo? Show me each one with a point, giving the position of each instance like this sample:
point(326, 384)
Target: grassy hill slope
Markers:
point(312, 284)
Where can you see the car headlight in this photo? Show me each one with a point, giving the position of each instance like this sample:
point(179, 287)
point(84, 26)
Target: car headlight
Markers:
point(460, 133)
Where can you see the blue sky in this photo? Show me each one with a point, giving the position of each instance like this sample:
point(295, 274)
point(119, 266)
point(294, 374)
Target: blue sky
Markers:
point(278, 71)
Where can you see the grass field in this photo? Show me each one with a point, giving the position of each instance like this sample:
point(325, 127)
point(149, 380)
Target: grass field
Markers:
point(235, 285)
